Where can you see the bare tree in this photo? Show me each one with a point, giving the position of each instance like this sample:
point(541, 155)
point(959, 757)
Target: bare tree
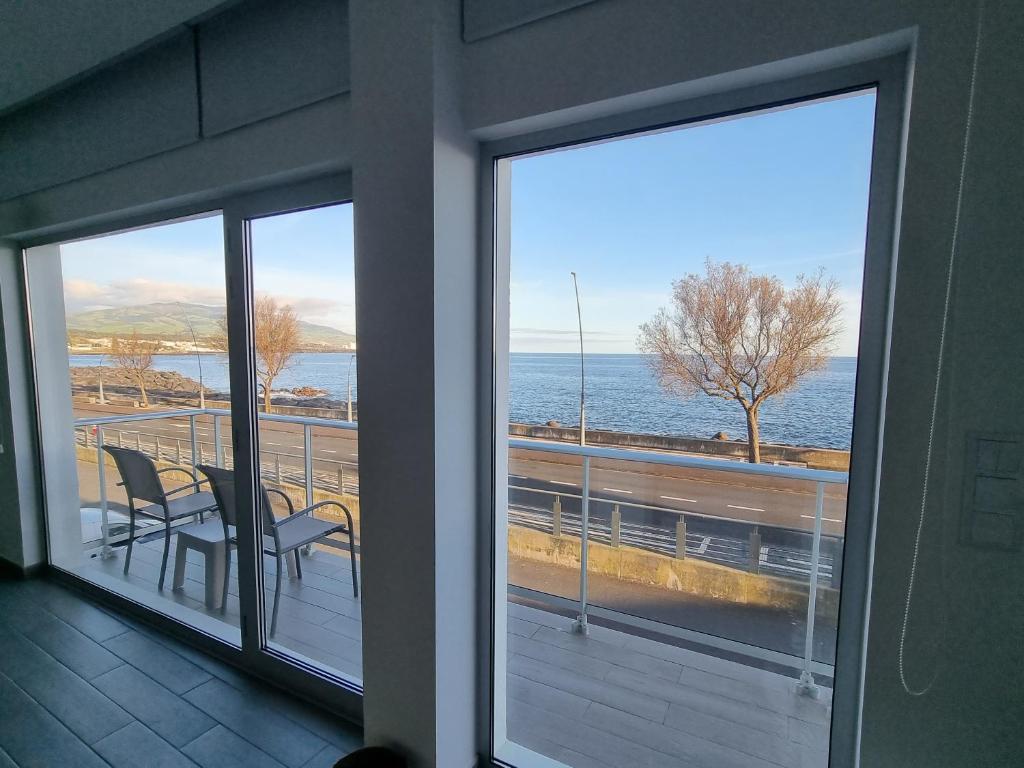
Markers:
point(135, 357)
point(742, 337)
point(276, 338)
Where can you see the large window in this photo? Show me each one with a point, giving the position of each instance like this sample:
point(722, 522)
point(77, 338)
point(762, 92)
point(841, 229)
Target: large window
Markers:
point(131, 359)
point(678, 378)
point(197, 390)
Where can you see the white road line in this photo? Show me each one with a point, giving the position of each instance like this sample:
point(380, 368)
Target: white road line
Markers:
point(616, 490)
point(826, 519)
point(680, 498)
point(519, 477)
point(327, 451)
point(353, 454)
point(270, 443)
point(703, 545)
point(562, 482)
point(746, 509)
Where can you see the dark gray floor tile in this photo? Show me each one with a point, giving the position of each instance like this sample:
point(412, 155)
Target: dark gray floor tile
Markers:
point(5, 760)
point(220, 748)
point(257, 722)
point(326, 757)
point(32, 737)
point(168, 715)
point(136, 745)
point(157, 661)
point(70, 647)
point(85, 711)
point(91, 621)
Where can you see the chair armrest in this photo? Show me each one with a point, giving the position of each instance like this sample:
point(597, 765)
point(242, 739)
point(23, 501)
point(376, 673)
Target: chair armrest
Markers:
point(307, 510)
point(179, 468)
point(288, 501)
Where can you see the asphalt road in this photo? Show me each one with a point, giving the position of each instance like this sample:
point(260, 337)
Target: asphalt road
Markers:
point(634, 484)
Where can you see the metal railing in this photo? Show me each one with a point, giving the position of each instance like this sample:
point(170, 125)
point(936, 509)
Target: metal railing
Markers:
point(587, 454)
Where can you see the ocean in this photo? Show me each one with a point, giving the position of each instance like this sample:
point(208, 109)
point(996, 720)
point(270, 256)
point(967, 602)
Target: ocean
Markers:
point(622, 395)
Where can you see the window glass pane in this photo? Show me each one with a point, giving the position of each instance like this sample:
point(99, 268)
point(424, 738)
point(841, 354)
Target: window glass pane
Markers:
point(308, 406)
point(684, 318)
point(130, 345)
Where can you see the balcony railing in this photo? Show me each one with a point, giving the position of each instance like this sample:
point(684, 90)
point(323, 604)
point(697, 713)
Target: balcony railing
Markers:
point(525, 510)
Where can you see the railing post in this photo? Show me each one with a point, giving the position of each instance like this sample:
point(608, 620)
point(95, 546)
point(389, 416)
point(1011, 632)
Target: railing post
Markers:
point(307, 441)
point(107, 552)
point(581, 621)
point(277, 467)
point(616, 532)
point(806, 686)
point(556, 517)
point(218, 449)
point(177, 451)
point(195, 440)
point(138, 442)
point(755, 550)
point(157, 448)
point(341, 479)
point(120, 439)
point(681, 538)
point(85, 432)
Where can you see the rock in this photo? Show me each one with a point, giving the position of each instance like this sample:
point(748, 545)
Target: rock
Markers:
point(720, 436)
point(554, 423)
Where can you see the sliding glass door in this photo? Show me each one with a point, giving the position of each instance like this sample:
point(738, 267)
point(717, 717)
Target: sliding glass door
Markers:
point(196, 382)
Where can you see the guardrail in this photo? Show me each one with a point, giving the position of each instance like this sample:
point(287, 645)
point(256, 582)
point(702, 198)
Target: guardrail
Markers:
point(820, 478)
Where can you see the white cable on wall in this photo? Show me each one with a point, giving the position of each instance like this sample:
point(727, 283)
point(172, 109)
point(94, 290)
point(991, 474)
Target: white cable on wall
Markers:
point(938, 369)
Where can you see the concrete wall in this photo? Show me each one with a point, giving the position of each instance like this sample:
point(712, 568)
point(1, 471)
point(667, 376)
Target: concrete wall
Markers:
point(815, 458)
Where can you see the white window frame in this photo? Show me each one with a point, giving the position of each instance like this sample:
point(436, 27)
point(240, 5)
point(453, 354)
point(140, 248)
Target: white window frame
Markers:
point(889, 74)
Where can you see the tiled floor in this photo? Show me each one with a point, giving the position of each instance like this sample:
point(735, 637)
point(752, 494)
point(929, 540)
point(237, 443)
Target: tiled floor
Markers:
point(80, 686)
point(610, 700)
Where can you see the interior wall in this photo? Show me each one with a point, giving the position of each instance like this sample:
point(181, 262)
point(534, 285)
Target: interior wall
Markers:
point(21, 532)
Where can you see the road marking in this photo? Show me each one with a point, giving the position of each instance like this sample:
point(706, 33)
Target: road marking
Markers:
point(826, 519)
point(616, 490)
point(680, 498)
point(519, 477)
point(353, 454)
point(327, 451)
point(703, 545)
point(270, 443)
point(746, 509)
point(562, 482)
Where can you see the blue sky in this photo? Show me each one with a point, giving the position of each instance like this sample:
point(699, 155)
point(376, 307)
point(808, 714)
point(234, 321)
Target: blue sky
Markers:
point(782, 192)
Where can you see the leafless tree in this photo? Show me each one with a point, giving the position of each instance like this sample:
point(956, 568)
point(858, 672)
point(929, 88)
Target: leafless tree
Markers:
point(276, 339)
point(743, 337)
point(134, 356)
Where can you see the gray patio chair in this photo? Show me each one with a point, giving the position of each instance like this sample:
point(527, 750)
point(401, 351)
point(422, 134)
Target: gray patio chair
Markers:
point(141, 480)
point(280, 537)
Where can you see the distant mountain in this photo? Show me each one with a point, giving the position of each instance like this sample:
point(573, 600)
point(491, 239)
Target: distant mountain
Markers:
point(167, 322)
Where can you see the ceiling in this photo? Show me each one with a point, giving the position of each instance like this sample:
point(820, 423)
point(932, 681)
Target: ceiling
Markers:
point(44, 43)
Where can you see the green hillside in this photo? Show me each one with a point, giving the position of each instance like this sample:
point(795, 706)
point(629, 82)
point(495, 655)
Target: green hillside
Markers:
point(167, 322)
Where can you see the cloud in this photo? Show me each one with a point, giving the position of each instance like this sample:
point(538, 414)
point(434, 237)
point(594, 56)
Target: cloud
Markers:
point(81, 295)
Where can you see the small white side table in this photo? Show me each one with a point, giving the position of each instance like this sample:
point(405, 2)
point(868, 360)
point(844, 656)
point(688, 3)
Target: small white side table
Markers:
point(207, 538)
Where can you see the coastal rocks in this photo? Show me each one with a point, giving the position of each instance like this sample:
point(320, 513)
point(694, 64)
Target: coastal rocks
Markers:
point(308, 392)
point(720, 436)
point(554, 423)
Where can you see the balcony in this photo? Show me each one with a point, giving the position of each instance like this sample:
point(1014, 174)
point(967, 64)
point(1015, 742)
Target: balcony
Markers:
point(614, 655)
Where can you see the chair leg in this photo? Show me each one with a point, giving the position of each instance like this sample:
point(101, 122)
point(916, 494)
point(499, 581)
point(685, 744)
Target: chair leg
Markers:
point(167, 549)
point(227, 578)
point(298, 565)
point(131, 538)
point(277, 596)
point(352, 562)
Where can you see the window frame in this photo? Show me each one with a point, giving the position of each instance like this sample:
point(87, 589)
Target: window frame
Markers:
point(237, 210)
point(889, 75)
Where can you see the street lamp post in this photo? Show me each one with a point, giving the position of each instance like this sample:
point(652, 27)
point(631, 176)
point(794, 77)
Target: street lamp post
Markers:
point(350, 361)
point(583, 388)
point(199, 359)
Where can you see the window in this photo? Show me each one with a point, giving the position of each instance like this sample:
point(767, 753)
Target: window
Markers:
point(679, 318)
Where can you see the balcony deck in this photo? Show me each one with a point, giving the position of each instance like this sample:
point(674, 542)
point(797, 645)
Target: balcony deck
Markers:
point(609, 700)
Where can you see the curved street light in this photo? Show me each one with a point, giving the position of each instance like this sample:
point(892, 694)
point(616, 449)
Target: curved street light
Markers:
point(583, 387)
point(199, 359)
